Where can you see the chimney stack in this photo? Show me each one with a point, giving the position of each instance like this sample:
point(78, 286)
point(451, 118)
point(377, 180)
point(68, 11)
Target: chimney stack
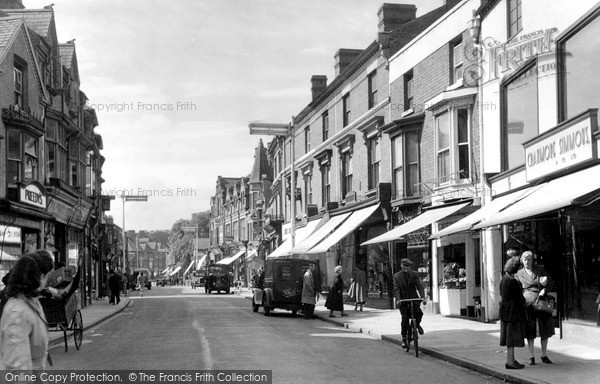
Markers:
point(11, 4)
point(343, 57)
point(391, 16)
point(319, 83)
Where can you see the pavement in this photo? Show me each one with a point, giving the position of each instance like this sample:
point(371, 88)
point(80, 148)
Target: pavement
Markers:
point(471, 344)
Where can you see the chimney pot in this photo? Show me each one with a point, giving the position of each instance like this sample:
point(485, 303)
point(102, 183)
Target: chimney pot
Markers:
point(318, 85)
point(392, 16)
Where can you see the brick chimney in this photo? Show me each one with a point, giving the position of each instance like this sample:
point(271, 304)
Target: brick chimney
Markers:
point(11, 4)
point(319, 83)
point(391, 16)
point(343, 57)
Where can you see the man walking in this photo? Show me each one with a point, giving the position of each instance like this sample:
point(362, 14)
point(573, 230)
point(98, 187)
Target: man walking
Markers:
point(309, 300)
point(407, 285)
point(114, 284)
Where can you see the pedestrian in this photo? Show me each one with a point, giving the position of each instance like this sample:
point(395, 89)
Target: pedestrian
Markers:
point(309, 300)
point(358, 288)
point(23, 327)
point(536, 284)
point(114, 283)
point(260, 281)
point(407, 285)
point(335, 299)
point(512, 313)
point(140, 283)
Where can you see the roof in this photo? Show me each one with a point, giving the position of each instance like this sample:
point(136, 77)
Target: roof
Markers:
point(67, 52)
point(261, 165)
point(38, 20)
point(8, 28)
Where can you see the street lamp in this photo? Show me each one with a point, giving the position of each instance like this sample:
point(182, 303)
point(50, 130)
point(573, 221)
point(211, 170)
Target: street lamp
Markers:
point(128, 198)
point(285, 130)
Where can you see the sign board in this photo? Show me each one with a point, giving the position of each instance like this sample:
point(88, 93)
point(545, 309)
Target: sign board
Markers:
point(567, 145)
point(33, 193)
point(10, 235)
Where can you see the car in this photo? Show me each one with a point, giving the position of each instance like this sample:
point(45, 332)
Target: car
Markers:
point(197, 279)
point(282, 287)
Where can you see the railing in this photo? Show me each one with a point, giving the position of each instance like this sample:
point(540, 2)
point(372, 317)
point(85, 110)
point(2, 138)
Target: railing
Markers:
point(17, 115)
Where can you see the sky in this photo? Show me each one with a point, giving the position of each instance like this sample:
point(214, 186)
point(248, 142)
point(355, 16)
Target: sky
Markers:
point(176, 83)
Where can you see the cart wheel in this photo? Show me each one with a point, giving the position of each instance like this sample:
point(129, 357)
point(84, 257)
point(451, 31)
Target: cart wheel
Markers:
point(77, 327)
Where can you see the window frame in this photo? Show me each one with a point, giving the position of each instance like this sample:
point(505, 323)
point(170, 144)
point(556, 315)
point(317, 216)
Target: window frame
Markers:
point(372, 89)
point(325, 125)
point(346, 172)
point(325, 183)
point(455, 148)
point(454, 66)
point(346, 109)
point(406, 166)
point(307, 139)
point(408, 80)
point(519, 18)
point(373, 161)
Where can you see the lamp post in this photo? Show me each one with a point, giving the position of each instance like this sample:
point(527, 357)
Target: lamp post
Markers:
point(285, 130)
point(128, 198)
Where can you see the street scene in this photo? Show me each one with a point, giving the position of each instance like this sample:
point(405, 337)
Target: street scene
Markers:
point(289, 192)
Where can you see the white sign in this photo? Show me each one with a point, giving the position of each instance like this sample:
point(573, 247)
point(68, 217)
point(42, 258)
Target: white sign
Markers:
point(33, 194)
point(10, 235)
point(565, 147)
point(286, 231)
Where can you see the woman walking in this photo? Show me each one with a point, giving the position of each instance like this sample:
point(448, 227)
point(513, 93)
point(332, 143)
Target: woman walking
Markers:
point(512, 313)
point(335, 299)
point(23, 327)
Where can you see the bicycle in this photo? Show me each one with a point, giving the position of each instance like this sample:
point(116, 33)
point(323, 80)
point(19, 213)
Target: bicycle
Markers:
point(413, 332)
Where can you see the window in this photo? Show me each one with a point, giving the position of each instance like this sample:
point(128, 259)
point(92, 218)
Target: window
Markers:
point(325, 120)
point(18, 79)
point(31, 158)
point(13, 169)
point(307, 189)
point(372, 89)
point(515, 24)
point(346, 159)
point(22, 157)
point(56, 151)
point(457, 61)
point(345, 109)
point(580, 90)
point(307, 139)
point(520, 117)
point(373, 158)
point(77, 158)
point(326, 183)
point(408, 90)
point(453, 145)
point(406, 164)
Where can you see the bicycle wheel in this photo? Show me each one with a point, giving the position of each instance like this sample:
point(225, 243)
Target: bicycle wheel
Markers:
point(77, 326)
point(409, 336)
point(415, 333)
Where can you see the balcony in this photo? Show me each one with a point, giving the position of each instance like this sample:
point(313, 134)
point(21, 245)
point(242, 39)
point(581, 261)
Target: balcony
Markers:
point(17, 117)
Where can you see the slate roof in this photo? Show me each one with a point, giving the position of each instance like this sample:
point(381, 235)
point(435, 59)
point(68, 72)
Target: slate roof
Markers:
point(66, 54)
point(261, 165)
point(8, 27)
point(38, 20)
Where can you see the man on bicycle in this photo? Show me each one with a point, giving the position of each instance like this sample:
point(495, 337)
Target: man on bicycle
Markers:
point(407, 285)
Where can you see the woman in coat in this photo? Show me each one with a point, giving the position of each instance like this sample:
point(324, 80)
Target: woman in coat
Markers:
point(536, 284)
point(23, 327)
point(512, 313)
point(335, 299)
point(358, 288)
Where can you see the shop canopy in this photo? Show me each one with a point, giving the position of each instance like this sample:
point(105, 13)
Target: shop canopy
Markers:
point(231, 259)
point(466, 224)
point(175, 270)
point(200, 262)
point(189, 267)
point(301, 234)
point(428, 217)
point(252, 254)
point(167, 271)
point(318, 235)
point(553, 195)
point(6, 257)
point(348, 226)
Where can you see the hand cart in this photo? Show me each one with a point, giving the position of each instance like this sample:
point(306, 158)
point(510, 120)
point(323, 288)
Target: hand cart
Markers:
point(63, 315)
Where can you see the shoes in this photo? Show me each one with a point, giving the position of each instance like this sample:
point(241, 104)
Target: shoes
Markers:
point(519, 364)
point(420, 330)
point(331, 315)
point(344, 314)
point(532, 361)
point(403, 343)
point(546, 360)
point(513, 366)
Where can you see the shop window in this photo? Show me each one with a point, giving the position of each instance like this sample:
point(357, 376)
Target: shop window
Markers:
point(408, 90)
point(325, 122)
point(515, 16)
point(580, 90)
point(405, 159)
point(373, 159)
point(520, 115)
point(453, 145)
point(372, 89)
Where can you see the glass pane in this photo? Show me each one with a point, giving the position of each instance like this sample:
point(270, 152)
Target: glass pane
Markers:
point(522, 117)
point(581, 88)
point(51, 159)
point(30, 145)
point(463, 126)
point(377, 151)
point(12, 172)
point(412, 147)
point(463, 161)
point(398, 156)
point(458, 54)
point(14, 145)
point(443, 131)
point(51, 129)
point(412, 180)
point(443, 166)
point(399, 182)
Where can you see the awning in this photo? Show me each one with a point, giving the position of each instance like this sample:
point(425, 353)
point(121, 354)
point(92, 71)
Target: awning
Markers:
point(175, 270)
point(252, 254)
point(188, 268)
point(200, 262)
point(418, 222)
point(351, 223)
point(6, 257)
point(301, 234)
point(488, 210)
point(167, 271)
point(551, 196)
point(319, 234)
point(231, 259)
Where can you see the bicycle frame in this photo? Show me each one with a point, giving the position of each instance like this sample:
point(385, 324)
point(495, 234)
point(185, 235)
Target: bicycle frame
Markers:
point(413, 333)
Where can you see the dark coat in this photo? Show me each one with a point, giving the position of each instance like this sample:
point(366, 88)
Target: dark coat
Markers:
point(512, 304)
point(335, 299)
point(407, 284)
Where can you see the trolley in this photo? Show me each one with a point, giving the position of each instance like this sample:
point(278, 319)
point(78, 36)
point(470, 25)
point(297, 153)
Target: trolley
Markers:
point(63, 316)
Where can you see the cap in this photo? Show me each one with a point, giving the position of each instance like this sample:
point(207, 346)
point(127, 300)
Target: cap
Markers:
point(406, 261)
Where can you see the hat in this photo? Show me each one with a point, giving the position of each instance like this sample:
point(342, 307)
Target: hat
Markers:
point(338, 269)
point(406, 261)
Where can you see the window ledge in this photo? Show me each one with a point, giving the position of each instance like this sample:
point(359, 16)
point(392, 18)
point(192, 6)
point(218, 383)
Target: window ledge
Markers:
point(408, 112)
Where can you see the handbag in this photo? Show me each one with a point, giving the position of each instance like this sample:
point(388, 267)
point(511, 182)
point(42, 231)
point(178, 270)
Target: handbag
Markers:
point(542, 306)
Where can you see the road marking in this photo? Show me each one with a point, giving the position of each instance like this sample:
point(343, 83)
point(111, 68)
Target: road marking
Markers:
point(206, 354)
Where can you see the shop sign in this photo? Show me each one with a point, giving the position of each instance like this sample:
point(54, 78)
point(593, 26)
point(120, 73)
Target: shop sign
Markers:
point(519, 227)
point(569, 144)
point(286, 231)
point(10, 235)
point(33, 193)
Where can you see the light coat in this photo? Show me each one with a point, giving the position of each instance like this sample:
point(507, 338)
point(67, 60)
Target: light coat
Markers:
point(308, 289)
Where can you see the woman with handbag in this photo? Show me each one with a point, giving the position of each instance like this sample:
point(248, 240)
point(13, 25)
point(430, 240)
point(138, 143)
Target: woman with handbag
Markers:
point(536, 284)
point(335, 299)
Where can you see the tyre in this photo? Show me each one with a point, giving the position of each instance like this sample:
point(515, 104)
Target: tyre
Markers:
point(254, 306)
point(409, 337)
point(294, 312)
point(415, 338)
point(228, 291)
point(77, 326)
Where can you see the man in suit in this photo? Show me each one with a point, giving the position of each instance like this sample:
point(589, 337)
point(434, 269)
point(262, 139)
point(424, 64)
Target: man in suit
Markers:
point(407, 285)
